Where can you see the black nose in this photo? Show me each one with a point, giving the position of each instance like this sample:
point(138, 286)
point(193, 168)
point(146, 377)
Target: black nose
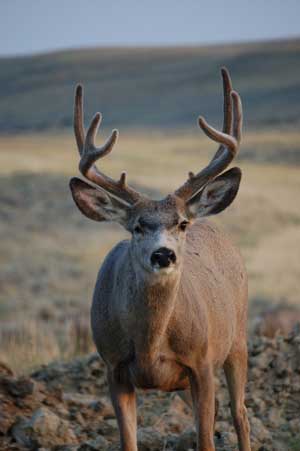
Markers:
point(163, 257)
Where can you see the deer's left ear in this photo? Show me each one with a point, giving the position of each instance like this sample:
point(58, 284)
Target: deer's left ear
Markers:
point(216, 196)
point(97, 205)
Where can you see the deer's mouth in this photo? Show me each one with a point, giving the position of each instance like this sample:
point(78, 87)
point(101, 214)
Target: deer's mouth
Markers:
point(163, 271)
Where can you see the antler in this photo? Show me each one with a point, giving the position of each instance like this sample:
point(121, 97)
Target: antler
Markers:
point(229, 140)
point(90, 154)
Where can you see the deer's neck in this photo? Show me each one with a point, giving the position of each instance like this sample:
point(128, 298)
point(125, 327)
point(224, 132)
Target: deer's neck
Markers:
point(153, 303)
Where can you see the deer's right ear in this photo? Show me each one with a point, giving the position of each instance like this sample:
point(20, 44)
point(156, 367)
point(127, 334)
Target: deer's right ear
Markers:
point(216, 195)
point(96, 204)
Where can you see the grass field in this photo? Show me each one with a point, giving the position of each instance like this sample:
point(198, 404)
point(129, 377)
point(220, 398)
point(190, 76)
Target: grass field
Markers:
point(50, 253)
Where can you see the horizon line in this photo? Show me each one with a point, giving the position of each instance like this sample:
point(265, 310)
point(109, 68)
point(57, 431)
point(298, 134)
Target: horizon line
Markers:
point(120, 46)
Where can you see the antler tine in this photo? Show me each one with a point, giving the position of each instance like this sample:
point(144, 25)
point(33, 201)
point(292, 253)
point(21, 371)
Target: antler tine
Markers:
point(216, 135)
point(78, 118)
point(90, 154)
point(238, 116)
point(227, 88)
point(229, 140)
point(227, 107)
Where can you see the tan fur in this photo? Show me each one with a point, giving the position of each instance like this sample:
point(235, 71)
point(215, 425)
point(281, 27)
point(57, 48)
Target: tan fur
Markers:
point(170, 304)
point(171, 334)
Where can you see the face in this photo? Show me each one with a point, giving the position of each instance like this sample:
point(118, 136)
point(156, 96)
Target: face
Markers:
point(158, 231)
point(158, 228)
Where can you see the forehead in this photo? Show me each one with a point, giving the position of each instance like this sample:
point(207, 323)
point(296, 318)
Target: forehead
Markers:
point(166, 212)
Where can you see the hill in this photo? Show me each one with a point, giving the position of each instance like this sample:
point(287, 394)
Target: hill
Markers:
point(151, 87)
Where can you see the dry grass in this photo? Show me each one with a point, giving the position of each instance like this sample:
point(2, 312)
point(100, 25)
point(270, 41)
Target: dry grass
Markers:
point(50, 254)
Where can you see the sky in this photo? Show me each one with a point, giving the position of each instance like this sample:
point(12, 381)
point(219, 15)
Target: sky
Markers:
point(34, 26)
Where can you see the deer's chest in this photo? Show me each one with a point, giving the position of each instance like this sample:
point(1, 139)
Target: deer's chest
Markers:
point(160, 372)
point(154, 362)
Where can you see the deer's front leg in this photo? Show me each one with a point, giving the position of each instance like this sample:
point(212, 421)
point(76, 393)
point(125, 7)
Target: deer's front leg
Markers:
point(203, 395)
point(124, 402)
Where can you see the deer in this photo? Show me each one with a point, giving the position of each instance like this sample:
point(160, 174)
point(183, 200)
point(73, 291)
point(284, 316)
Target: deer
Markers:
point(170, 303)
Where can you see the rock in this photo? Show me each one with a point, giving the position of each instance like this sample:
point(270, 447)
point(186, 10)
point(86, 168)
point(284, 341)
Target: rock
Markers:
point(103, 407)
point(258, 431)
point(274, 418)
point(262, 361)
point(78, 399)
point(112, 422)
point(5, 370)
point(19, 388)
point(229, 439)
point(43, 429)
point(150, 440)
point(295, 426)
point(22, 434)
point(64, 448)
point(65, 406)
point(94, 445)
point(187, 440)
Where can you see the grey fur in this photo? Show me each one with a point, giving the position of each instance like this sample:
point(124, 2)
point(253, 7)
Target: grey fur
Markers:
point(169, 327)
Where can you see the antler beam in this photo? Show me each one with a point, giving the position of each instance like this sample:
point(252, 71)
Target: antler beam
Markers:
point(229, 140)
point(90, 154)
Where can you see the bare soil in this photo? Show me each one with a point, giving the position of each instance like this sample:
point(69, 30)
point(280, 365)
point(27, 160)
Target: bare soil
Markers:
point(65, 406)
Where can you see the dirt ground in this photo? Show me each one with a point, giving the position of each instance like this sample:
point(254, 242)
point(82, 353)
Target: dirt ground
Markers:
point(65, 407)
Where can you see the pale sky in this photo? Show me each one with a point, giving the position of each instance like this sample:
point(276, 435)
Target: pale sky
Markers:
point(30, 26)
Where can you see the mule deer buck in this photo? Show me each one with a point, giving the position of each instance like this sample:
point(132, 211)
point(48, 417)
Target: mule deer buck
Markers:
point(170, 304)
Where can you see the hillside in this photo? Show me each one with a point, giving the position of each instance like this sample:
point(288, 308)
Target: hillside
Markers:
point(151, 87)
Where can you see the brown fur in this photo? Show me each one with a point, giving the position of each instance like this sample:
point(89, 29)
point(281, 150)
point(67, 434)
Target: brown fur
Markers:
point(169, 328)
point(162, 322)
point(172, 335)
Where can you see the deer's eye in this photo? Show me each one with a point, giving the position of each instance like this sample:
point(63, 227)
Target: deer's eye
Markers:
point(183, 225)
point(138, 229)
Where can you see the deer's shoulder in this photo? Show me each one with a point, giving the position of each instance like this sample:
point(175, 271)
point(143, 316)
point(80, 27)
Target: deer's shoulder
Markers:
point(208, 243)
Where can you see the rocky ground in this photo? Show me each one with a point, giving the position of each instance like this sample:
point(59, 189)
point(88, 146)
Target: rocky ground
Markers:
point(65, 407)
